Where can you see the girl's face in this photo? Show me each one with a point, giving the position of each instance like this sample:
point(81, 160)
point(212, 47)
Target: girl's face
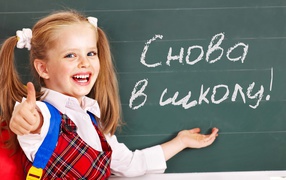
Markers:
point(73, 64)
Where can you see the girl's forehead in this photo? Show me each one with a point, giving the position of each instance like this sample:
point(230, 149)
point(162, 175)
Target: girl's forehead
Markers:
point(76, 35)
point(74, 30)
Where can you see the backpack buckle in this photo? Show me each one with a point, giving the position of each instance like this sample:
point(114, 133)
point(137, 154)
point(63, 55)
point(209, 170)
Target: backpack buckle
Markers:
point(34, 173)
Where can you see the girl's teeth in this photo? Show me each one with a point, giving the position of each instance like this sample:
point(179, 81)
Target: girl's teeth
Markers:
point(81, 78)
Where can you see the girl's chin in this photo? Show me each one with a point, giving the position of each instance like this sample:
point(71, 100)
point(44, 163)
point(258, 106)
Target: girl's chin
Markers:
point(79, 94)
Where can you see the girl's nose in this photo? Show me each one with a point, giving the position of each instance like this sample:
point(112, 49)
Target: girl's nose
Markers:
point(84, 62)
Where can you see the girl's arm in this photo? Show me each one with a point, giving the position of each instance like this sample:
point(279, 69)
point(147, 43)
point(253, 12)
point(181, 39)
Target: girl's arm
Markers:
point(30, 124)
point(153, 159)
point(188, 139)
point(25, 117)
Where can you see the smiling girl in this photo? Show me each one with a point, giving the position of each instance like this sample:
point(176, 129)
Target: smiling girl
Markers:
point(66, 129)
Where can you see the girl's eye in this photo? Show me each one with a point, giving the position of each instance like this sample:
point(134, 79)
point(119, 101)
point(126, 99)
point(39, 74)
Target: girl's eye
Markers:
point(92, 53)
point(71, 55)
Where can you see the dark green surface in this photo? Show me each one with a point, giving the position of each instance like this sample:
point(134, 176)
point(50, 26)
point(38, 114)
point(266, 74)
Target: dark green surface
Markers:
point(250, 139)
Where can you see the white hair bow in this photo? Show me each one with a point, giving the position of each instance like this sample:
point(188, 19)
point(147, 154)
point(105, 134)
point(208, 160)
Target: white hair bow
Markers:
point(24, 38)
point(93, 21)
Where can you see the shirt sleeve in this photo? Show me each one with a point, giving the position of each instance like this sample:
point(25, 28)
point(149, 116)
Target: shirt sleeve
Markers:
point(30, 143)
point(126, 163)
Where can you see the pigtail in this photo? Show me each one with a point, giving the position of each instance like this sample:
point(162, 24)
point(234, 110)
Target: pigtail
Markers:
point(106, 88)
point(11, 88)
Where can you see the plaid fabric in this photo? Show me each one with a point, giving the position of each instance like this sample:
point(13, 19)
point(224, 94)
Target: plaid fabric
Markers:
point(74, 159)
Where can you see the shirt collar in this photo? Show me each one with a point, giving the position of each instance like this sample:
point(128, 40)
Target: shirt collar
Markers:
point(62, 102)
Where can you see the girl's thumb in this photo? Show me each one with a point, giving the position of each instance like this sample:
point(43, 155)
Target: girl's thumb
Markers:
point(31, 94)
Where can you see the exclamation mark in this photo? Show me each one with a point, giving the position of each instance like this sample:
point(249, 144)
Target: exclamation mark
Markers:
point(270, 88)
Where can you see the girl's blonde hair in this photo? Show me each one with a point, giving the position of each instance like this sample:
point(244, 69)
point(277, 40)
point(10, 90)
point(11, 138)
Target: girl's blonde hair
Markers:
point(105, 90)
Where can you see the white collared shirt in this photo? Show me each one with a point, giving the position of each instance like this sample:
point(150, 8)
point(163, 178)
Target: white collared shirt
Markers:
point(123, 161)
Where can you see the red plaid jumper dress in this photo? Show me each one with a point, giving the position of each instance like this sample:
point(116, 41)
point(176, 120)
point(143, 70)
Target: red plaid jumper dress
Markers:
point(75, 159)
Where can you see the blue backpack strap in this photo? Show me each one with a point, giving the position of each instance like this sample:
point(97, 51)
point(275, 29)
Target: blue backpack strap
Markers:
point(92, 118)
point(47, 148)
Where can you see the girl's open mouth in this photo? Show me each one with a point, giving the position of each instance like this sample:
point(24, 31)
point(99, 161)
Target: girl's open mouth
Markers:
point(81, 78)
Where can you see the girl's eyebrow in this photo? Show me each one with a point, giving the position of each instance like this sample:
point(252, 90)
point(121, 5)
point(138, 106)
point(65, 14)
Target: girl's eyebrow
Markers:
point(69, 49)
point(93, 47)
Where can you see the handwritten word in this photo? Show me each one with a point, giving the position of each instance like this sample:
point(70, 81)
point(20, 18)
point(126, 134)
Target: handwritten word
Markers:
point(214, 45)
point(186, 101)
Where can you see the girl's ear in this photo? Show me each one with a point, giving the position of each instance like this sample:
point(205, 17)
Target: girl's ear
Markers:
point(41, 68)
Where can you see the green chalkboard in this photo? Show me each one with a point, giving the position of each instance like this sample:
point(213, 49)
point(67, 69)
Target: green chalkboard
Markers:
point(184, 64)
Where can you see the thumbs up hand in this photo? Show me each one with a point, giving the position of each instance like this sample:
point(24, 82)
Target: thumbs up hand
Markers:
point(25, 117)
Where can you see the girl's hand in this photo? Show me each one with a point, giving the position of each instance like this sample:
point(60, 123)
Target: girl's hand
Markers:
point(193, 139)
point(188, 139)
point(25, 118)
